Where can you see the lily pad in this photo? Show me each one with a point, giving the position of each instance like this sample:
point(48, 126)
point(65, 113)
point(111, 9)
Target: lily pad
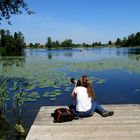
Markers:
point(101, 81)
point(52, 99)
point(33, 95)
point(46, 94)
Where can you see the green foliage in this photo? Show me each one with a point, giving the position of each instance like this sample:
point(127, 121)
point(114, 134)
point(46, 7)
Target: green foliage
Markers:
point(131, 40)
point(118, 42)
point(33, 95)
point(94, 44)
point(110, 42)
point(3, 95)
point(11, 45)
point(67, 43)
point(18, 98)
point(49, 43)
point(12, 7)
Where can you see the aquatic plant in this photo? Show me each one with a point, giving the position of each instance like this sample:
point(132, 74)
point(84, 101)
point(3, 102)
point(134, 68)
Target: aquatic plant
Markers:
point(4, 125)
point(3, 95)
point(43, 73)
point(18, 97)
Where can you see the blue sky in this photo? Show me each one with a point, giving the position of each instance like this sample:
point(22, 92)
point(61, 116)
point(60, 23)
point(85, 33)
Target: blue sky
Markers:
point(80, 20)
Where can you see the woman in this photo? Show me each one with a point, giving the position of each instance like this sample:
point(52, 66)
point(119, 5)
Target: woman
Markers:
point(86, 105)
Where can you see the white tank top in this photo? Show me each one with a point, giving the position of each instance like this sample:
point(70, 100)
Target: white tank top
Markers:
point(83, 101)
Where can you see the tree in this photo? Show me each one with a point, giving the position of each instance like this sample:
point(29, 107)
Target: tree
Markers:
point(130, 40)
point(137, 39)
point(19, 41)
point(118, 42)
point(11, 44)
point(12, 7)
point(49, 43)
point(2, 38)
point(67, 43)
point(36, 45)
point(124, 42)
point(96, 43)
point(30, 45)
point(109, 42)
point(99, 43)
point(57, 44)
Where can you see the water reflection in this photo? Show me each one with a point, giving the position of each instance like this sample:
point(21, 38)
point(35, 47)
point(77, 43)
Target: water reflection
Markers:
point(134, 51)
point(93, 53)
point(49, 55)
point(71, 55)
point(3, 52)
point(7, 62)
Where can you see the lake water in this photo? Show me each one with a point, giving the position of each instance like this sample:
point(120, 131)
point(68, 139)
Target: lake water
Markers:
point(114, 72)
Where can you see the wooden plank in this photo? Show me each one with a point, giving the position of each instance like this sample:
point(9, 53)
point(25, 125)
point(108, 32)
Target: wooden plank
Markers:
point(123, 125)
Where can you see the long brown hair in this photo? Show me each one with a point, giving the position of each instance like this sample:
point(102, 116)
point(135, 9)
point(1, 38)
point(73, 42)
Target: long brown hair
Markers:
point(86, 83)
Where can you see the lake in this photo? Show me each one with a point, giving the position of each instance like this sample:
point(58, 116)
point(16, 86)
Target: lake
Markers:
point(44, 76)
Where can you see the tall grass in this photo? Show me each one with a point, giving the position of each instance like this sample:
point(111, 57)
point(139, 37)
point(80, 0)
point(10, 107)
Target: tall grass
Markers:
point(3, 95)
point(4, 125)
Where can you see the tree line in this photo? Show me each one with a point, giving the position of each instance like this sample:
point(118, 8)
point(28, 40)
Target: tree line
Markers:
point(67, 43)
point(130, 41)
point(14, 44)
point(11, 44)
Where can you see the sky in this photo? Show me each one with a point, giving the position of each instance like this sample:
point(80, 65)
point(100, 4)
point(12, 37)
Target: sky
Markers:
point(85, 21)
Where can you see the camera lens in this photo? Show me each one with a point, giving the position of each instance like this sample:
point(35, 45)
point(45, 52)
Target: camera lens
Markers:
point(72, 80)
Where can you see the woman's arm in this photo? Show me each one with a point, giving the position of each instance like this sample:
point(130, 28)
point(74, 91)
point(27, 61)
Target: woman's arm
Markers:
point(73, 94)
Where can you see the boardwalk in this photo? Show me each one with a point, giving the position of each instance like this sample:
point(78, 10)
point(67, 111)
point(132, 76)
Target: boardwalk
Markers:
point(124, 125)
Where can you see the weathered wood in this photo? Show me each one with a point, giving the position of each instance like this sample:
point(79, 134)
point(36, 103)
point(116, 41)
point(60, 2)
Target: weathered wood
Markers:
point(123, 125)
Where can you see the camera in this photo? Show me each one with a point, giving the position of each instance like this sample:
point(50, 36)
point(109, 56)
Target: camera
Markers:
point(76, 82)
point(73, 80)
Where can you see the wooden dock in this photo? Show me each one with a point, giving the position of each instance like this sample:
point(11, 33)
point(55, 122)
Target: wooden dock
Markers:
point(123, 125)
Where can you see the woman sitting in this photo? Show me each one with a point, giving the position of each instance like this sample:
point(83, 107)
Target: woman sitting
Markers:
point(86, 106)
